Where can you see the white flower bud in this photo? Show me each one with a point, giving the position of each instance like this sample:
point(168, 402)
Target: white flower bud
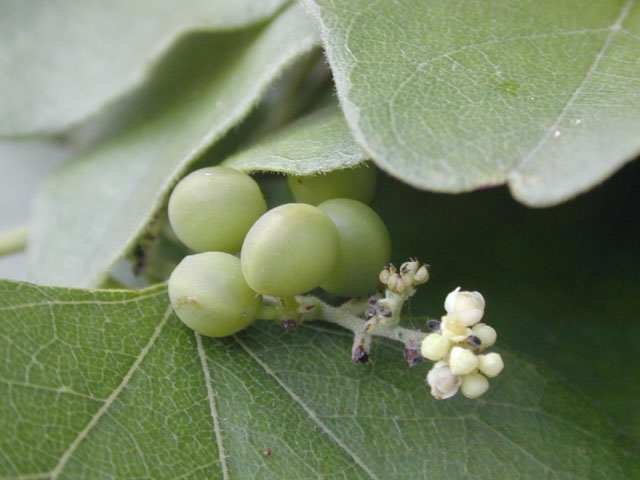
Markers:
point(384, 275)
point(434, 347)
point(490, 364)
point(409, 268)
point(474, 385)
point(453, 328)
point(485, 333)
point(442, 382)
point(403, 284)
point(393, 280)
point(462, 361)
point(468, 305)
point(421, 276)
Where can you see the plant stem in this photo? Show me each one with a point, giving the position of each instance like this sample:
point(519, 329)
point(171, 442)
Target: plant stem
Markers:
point(410, 338)
point(13, 240)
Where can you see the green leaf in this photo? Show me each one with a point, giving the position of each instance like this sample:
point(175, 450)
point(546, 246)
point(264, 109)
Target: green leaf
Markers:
point(63, 61)
point(561, 284)
point(453, 96)
point(319, 142)
point(108, 384)
point(93, 208)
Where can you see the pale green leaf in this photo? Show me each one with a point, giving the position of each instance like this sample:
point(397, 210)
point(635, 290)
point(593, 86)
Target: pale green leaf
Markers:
point(92, 209)
point(319, 142)
point(452, 96)
point(111, 385)
point(63, 61)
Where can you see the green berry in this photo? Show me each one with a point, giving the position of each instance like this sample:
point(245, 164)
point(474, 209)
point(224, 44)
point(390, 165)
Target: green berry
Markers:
point(357, 183)
point(213, 208)
point(365, 247)
point(209, 294)
point(290, 250)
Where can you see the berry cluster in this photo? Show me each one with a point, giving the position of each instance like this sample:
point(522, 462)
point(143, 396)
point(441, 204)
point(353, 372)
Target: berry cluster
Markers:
point(337, 245)
point(456, 348)
point(253, 263)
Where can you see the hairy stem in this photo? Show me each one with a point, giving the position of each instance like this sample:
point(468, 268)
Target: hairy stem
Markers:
point(13, 240)
point(357, 325)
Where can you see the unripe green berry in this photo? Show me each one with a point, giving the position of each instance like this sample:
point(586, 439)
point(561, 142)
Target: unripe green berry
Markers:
point(434, 347)
point(462, 361)
point(290, 250)
point(474, 385)
point(365, 247)
point(357, 183)
point(213, 208)
point(485, 333)
point(491, 364)
point(209, 294)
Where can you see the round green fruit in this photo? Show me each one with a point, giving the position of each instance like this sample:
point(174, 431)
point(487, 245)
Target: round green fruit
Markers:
point(365, 247)
point(357, 183)
point(209, 294)
point(290, 250)
point(213, 208)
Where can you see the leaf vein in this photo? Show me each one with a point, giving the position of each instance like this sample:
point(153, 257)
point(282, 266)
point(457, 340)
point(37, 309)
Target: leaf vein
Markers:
point(50, 303)
point(212, 407)
point(312, 415)
point(66, 456)
point(615, 28)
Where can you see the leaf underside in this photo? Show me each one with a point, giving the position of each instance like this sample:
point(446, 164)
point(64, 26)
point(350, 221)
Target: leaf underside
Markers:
point(319, 142)
point(92, 209)
point(453, 96)
point(110, 384)
point(65, 61)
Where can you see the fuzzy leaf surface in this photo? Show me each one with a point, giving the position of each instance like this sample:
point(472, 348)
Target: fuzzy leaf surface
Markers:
point(111, 384)
point(92, 209)
point(62, 61)
point(453, 96)
point(319, 142)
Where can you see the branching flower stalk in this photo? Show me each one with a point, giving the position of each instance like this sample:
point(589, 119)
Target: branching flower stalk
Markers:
point(455, 344)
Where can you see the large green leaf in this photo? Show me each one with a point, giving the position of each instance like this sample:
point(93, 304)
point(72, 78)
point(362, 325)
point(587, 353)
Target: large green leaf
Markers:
point(319, 142)
point(452, 96)
point(62, 61)
point(111, 385)
point(92, 209)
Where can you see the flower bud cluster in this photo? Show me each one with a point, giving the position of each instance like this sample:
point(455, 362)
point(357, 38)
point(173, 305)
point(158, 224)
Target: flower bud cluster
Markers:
point(410, 274)
point(400, 285)
point(457, 345)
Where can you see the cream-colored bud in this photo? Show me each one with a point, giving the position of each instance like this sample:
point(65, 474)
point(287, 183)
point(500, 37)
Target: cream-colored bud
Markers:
point(434, 347)
point(403, 284)
point(421, 276)
point(453, 328)
point(474, 385)
point(491, 364)
point(442, 382)
point(485, 333)
point(409, 268)
point(384, 275)
point(462, 361)
point(393, 280)
point(469, 306)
